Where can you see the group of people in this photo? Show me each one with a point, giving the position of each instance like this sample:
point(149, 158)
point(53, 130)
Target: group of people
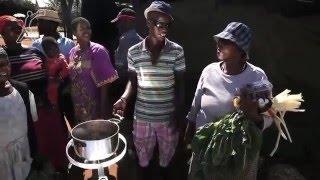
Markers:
point(59, 79)
point(67, 80)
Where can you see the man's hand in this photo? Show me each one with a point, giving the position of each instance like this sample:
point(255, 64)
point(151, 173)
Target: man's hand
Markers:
point(119, 107)
point(250, 107)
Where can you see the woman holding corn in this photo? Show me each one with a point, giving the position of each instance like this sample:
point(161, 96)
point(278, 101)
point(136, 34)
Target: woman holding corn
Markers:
point(220, 81)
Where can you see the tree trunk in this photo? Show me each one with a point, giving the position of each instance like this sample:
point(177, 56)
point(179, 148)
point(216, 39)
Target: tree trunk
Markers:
point(66, 8)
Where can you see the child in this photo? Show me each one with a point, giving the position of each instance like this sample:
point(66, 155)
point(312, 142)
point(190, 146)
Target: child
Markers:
point(57, 67)
point(17, 113)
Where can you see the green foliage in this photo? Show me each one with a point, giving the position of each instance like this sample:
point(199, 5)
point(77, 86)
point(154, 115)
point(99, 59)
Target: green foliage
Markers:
point(226, 147)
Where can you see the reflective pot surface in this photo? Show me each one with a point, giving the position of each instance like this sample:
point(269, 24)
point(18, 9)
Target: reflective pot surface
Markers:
point(96, 139)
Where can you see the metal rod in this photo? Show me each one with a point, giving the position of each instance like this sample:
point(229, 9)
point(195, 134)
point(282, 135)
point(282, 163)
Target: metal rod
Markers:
point(101, 174)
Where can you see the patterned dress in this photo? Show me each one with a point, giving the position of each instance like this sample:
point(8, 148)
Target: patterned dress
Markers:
point(89, 70)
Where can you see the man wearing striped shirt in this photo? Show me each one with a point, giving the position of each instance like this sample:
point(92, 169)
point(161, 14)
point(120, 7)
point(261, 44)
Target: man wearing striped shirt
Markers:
point(156, 67)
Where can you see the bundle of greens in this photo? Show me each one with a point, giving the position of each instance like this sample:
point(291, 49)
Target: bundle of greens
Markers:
point(225, 148)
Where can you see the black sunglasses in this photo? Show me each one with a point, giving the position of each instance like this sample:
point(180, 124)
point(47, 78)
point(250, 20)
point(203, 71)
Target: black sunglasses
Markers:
point(160, 24)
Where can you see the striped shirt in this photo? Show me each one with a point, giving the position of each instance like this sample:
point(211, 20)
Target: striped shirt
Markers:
point(155, 92)
point(28, 66)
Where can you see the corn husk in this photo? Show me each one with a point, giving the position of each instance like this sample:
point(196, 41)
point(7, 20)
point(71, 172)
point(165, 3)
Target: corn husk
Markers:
point(281, 104)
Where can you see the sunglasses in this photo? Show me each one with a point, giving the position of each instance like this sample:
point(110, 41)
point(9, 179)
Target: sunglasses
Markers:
point(161, 25)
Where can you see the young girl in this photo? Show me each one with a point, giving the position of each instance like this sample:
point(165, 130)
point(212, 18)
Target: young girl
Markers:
point(17, 113)
point(57, 68)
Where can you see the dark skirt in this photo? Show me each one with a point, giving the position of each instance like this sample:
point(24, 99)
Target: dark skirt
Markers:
point(52, 136)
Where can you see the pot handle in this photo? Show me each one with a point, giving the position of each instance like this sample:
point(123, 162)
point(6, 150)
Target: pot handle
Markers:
point(118, 118)
point(75, 147)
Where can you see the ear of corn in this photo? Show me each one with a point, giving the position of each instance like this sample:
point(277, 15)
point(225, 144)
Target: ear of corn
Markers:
point(282, 103)
point(236, 102)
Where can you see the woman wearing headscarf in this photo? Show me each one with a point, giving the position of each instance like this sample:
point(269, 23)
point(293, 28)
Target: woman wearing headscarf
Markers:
point(28, 66)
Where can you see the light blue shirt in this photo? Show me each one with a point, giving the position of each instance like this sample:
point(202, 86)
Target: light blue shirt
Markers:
point(65, 45)
point(127, 40)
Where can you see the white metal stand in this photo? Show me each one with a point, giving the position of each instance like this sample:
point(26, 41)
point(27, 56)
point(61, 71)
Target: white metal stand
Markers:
point(99, 166)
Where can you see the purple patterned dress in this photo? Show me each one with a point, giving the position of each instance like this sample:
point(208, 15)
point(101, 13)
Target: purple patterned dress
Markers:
point(89, 70)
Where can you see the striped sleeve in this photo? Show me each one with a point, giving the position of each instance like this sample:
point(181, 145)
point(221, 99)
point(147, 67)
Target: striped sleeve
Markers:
point(130, 63)
point(179, 64)
point(28, 66)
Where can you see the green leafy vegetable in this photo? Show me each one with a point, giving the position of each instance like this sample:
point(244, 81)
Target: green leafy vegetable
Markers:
point(224, 148)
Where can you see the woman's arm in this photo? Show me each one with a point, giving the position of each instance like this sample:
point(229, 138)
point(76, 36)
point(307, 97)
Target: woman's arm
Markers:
point(195, 107)
point(105, 108)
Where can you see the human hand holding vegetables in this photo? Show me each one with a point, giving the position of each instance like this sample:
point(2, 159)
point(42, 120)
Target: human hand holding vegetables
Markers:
point(249, 106)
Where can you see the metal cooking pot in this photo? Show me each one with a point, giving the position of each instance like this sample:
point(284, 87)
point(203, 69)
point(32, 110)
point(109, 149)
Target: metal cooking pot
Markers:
point(96, 139)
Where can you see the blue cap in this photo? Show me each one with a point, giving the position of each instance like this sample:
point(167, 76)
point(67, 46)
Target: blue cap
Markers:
point(159, 6)
point(238, 33)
